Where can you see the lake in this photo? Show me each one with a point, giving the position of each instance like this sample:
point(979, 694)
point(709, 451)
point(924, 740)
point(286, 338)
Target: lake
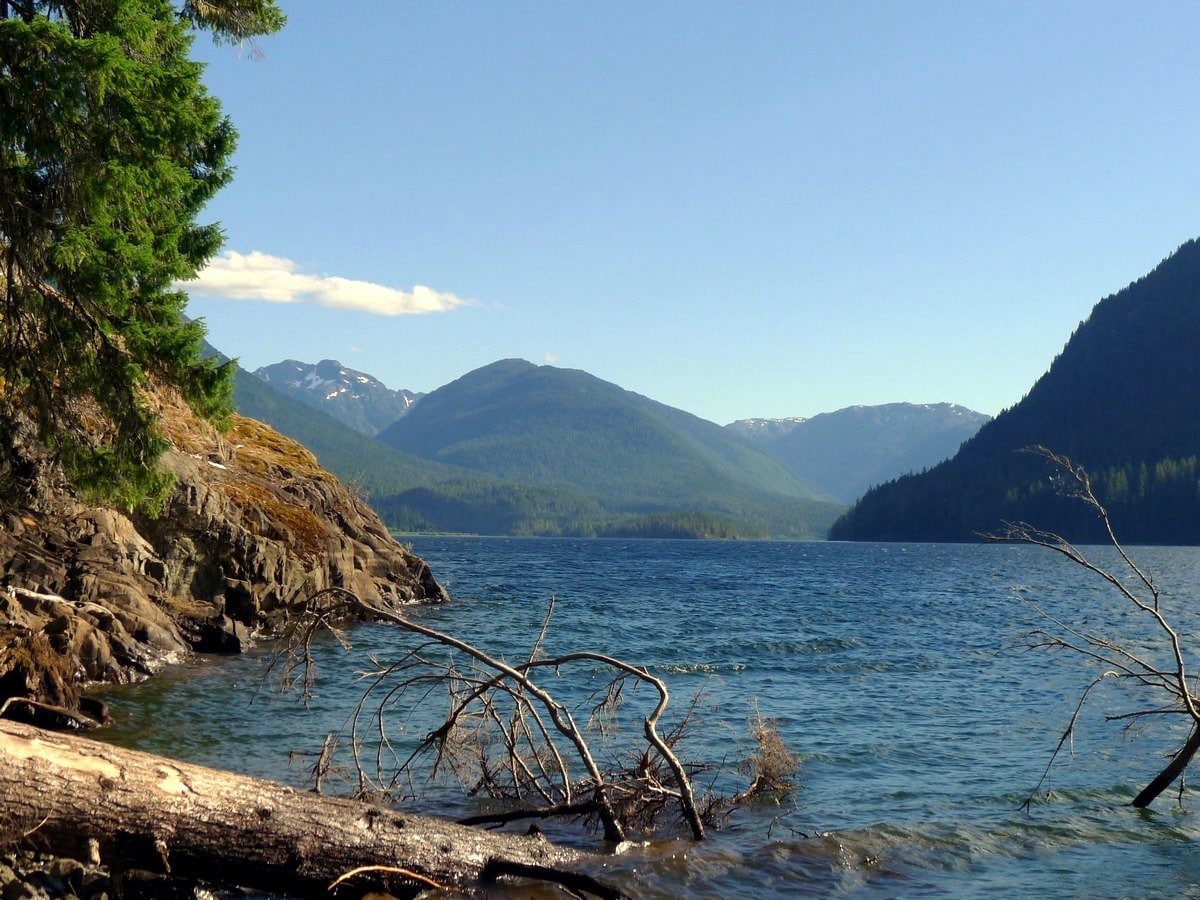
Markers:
point(901, 677)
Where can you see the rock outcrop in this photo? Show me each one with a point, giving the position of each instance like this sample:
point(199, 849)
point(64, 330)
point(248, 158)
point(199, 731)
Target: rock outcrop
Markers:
point(252, 526)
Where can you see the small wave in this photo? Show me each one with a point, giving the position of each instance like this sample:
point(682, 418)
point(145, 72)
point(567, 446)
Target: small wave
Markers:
point(818, 645)
point(699, 668)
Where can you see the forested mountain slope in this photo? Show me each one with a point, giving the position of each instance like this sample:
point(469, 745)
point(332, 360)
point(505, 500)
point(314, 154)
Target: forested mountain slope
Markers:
point(417, 494)
point(560, 428)
point(373, 467)
point(543, 424)
point(1121, 399)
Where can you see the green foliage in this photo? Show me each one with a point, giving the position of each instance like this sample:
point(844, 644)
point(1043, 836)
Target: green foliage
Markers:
point(1159, 503)
point(1119, 400)
point(109, 148)
point(234, 21)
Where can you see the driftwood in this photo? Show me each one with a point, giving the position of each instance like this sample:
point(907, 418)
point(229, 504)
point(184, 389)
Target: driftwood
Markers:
point(136, 811)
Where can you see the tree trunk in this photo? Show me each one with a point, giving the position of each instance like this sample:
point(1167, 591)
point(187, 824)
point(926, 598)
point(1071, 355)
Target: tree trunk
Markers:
point(1173, 770)
point(134, 810)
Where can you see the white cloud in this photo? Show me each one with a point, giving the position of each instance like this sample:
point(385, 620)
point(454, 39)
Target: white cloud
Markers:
point(258, 276)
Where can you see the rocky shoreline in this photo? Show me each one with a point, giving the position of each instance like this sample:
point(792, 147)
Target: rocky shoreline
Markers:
point(36, 876)
point(252, 528)
point(29, 875)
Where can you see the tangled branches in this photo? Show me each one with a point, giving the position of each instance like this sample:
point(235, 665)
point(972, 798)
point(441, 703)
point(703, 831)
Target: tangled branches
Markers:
point(1131, 667)
point(505, 735)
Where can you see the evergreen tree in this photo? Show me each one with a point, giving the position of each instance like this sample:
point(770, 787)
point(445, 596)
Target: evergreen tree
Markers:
point(109, 148)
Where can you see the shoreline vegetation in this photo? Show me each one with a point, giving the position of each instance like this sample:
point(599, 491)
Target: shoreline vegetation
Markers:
point(681, 526)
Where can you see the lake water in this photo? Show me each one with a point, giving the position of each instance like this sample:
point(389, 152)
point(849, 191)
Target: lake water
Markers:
point(901, 677)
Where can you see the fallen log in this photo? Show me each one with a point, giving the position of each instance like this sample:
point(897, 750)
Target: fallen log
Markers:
point(136, 811)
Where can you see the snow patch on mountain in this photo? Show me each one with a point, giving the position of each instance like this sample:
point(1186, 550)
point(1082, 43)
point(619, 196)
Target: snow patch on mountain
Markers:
point(354, 398)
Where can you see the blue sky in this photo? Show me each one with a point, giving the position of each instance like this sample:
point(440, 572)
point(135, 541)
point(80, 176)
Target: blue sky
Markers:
point(738, 209)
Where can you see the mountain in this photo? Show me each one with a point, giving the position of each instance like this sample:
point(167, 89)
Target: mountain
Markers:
point(1121, 400)
point(373, 468)
point(359, 400)
point(410, 493)
point(845, 452)
point(764, 431)
point(564, 428)
point(421, 495)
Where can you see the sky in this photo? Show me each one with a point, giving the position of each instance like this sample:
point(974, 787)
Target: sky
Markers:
point(739, 209)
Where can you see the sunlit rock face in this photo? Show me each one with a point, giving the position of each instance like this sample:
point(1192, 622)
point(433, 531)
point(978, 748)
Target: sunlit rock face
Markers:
point(252, 525)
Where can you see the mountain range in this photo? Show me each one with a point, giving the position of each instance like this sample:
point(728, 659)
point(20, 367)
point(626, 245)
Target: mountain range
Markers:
point(416, 494)
point(518, 448)
point(841, 453)
point(543, 424)
point(1120, 400)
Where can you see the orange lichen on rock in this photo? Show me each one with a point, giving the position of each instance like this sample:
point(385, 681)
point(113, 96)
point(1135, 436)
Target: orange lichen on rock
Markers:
point(252, 525)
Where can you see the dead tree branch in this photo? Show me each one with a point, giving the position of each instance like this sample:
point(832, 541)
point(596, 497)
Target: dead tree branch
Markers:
point(1121, 663)
point(505, 734)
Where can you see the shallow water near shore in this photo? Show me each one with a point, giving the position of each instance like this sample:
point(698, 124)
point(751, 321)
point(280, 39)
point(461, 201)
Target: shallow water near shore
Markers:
point(900, 676)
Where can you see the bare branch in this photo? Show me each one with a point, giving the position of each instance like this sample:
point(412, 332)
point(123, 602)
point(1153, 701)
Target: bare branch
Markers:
point(1068, 737)
point(1123, 664)
point(503, 730)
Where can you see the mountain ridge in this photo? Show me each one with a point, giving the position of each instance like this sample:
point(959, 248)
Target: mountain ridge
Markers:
point(1119, 400)
point(435, 480)
point(849, 450)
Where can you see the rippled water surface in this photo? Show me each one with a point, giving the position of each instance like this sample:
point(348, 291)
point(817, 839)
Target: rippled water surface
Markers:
point(901, 677)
